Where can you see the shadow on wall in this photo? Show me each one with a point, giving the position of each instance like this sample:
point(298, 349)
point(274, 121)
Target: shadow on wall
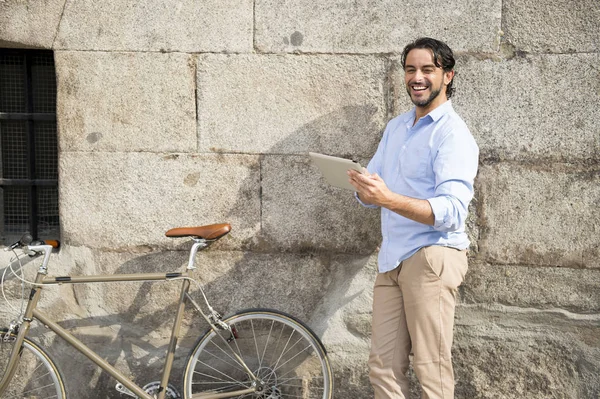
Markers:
point(303, 261)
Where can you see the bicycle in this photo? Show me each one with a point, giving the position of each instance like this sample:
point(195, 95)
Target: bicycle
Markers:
point(255, 353)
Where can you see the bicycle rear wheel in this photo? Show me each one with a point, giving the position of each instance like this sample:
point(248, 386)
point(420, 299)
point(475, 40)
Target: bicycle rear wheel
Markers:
point(280, 350)
point(36, 376)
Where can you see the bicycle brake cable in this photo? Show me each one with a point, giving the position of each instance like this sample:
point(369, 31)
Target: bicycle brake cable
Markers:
point(210, 308)
point(16, 258)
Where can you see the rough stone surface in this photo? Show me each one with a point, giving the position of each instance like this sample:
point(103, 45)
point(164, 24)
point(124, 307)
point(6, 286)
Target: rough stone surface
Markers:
point(157, 25)
point(552, 26)
point(290, 104)
point(533, 287)
point(29, 23)
point(527, 106)
point(539, 216)
point(302, 212)
point(506, 353)
point(129, 200)
point(151, 109)
point(374, 26)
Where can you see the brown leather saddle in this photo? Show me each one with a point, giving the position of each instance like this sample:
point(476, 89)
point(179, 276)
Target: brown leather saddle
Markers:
point(208, 232)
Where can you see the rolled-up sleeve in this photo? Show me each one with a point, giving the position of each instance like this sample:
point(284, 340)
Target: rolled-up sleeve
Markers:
point(363, 204)
point(455, 167)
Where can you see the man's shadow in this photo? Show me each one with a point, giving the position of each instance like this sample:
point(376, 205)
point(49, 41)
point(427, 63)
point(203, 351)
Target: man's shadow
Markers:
point(315, 275)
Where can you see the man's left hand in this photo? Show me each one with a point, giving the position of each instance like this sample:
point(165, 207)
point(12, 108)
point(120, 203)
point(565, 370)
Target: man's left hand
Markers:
point(371, 188)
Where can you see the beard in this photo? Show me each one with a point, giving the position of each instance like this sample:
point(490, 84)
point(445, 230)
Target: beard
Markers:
point(428, 100)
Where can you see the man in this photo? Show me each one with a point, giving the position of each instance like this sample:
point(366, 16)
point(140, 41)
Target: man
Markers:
point(422, 178)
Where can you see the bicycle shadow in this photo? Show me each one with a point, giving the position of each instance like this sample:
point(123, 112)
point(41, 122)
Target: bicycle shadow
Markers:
point(321, 283)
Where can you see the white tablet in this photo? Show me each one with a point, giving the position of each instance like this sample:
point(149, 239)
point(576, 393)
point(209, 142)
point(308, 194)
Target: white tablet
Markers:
point(334, 169)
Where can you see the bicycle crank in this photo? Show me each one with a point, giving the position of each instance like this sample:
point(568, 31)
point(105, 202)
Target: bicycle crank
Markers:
point(152, 389)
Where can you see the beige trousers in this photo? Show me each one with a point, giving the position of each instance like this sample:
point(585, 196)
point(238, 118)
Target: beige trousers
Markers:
point(413, 311)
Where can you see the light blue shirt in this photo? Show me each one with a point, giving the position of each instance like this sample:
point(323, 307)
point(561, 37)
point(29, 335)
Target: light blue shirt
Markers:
point(436, 159)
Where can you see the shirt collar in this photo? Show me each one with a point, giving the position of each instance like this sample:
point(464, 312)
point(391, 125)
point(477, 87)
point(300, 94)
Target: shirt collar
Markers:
point(435, 115)
point(440, 111)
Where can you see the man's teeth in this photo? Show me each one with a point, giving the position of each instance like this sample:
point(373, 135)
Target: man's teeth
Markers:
point(419, 87)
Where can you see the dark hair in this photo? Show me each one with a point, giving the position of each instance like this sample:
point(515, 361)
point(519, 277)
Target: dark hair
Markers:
point(442, 56)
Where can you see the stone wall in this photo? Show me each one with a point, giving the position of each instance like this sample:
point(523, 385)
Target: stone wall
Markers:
point(194, 112)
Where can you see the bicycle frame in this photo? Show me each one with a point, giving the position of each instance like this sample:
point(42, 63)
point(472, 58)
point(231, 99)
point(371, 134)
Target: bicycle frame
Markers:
point(32, 313)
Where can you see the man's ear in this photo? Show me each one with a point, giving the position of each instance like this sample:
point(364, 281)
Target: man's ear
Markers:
point(448, 76)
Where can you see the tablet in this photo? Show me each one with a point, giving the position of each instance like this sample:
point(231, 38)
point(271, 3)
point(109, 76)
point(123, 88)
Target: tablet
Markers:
point(334, 169)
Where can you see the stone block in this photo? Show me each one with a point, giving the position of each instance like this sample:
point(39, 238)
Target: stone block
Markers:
point(29, 23)
point(302, 212)
point(532, 287)
point(532, 106)
point(126, 102)
point(552, 26)
point(291, 104)
point(503, 354)
point(369, 26)
point(129, 200)
point(158, 25)
point(539, 215)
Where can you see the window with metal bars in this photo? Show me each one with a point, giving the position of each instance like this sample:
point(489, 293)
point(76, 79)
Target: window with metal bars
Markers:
point(28, 145)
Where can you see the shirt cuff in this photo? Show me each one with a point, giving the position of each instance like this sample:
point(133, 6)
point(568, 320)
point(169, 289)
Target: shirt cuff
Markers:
point(363, 204)
point(444, 218)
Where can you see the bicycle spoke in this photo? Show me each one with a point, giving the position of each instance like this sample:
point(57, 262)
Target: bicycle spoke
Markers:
point(212, 368)
point(291, 347)
point(289, 360)
point(37, 389)
point(255, 343)
point(227, 363)
point(35, 375)
point(291, 396)
point(266, 343)
point(283, 353)
point(227, 354)
point(222, 389)
point(284, 381)
point(278, 339)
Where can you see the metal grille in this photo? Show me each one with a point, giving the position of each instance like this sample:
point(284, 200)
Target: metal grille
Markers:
point(29, 147)
point(48, 212)
point(46, 144)
point(13, 96)
point(16, 211)
point(43, 83)
point(14, 149)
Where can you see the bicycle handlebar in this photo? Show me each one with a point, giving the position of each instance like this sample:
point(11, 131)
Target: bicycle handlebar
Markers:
point(27, 239)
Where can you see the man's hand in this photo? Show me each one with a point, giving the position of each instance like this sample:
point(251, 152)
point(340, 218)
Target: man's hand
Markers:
point(371, 188)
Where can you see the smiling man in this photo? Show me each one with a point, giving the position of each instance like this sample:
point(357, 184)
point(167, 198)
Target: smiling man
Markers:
point(422, 179)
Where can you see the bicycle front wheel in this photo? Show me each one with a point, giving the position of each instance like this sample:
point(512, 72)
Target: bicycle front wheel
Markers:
point(282, 352)
point(36, 376)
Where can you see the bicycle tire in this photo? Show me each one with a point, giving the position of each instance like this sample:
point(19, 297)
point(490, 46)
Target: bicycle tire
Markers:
point(296, 365)
point(36, 376)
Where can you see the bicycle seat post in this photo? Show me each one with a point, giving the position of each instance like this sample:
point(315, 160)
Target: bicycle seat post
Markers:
point(199, 243)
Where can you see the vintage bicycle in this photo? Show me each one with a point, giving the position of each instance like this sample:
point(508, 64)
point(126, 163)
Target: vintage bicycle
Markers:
point(255, 353)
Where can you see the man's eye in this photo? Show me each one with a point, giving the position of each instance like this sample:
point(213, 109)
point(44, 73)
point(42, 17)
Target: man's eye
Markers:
point(428, 70)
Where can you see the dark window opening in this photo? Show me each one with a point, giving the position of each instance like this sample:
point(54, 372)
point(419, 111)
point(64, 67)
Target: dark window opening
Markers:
point(28, 145)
